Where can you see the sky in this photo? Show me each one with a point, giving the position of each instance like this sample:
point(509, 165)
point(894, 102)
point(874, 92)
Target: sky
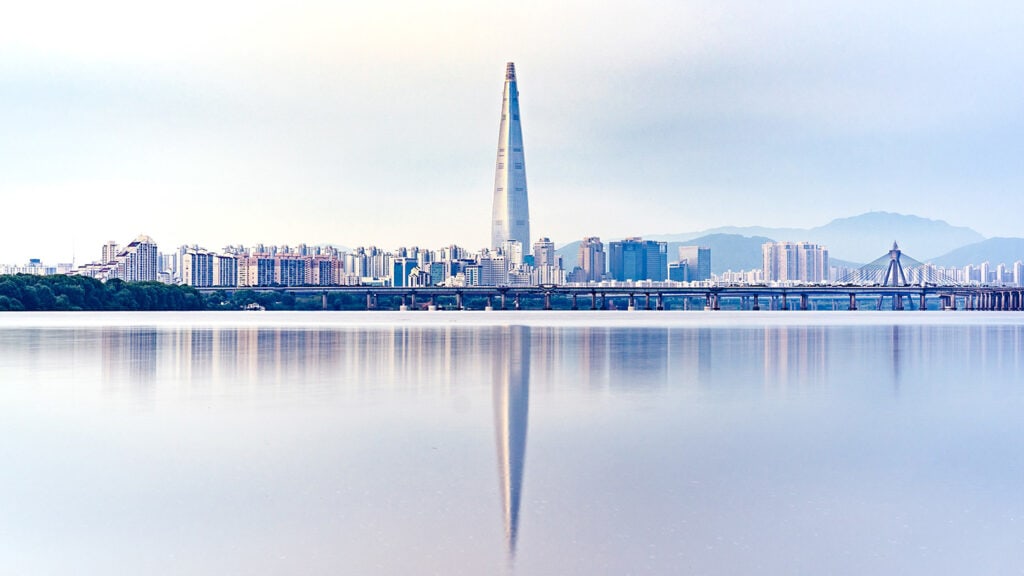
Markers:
point(376, 123)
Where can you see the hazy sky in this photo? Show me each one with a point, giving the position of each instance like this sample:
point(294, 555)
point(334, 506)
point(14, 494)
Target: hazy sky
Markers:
point(376, 123)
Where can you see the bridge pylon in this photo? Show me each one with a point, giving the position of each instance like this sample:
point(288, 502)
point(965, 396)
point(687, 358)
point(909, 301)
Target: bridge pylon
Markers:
point(895, 270)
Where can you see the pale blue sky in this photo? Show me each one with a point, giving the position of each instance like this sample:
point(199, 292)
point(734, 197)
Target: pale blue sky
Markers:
point(376, 123)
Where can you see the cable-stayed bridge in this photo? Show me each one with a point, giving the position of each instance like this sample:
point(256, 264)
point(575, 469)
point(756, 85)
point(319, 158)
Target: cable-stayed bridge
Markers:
point(896, 269)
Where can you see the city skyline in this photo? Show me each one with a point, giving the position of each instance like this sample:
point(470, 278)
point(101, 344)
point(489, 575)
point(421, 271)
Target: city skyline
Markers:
point(364, 125)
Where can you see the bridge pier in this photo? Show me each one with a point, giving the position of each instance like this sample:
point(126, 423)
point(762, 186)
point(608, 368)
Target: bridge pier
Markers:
point(604, 301)
point(402, 307)
point(647, 303)
point(490, 305)
point(323, 300)
point(547, 300)
point(515, 301)
point(503, 301)
point(574, 306)
point(756, 305)
point(707, 301)
point(412, 300)
point(853, 302)
point(661, 301)
point(369, 300)
point(785, 301)
point(632, 302)
point(922, 306)
point(803, 301)
point(593, 300)
point(458, 300)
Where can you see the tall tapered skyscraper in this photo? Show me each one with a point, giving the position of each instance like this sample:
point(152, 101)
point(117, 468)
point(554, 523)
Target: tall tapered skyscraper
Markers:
point(510, 218)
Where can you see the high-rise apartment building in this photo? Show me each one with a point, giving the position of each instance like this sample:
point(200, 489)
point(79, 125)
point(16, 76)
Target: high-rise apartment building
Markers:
point(197, 268)
point(510, 213)
point(794, 262)
point(139, 261)
point(225, 270)
point(109, 252)
point(256, 270)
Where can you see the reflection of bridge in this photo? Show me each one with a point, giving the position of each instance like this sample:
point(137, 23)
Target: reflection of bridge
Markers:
point(846, 297)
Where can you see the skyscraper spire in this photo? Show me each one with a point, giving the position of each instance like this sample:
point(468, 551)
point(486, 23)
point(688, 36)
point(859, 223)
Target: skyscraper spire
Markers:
point(510, 217)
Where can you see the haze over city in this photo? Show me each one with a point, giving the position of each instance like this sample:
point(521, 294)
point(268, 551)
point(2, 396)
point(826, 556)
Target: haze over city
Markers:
point(232, 123)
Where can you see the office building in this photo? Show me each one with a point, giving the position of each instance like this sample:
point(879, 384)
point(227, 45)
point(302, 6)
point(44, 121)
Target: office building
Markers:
point(401, 268)
point(544, 252)
point(591, 260)
point(698, 262)
point(510, 213)
point(679, 272)
point(637, 259)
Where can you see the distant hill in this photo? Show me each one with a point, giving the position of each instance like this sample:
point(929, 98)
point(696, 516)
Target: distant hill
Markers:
point(994, 250)
point(728, 251)
point(860, 238)
point(570, 255)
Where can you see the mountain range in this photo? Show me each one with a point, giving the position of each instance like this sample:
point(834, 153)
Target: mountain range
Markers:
point(851, 241)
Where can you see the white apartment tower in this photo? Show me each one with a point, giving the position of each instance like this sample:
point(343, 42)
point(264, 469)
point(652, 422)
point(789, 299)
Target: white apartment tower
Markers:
point(794, 262)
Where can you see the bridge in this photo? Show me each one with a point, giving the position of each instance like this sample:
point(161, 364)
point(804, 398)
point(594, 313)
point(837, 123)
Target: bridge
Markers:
point(599, 297)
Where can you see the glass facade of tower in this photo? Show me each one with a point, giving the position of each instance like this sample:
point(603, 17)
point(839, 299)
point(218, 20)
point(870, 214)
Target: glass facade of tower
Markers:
point(510, 216)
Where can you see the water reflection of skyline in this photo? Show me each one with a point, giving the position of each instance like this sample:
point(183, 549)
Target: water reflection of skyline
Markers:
point(459, 398)
point(436, 359)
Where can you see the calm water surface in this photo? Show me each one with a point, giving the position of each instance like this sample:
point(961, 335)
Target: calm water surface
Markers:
point(516, 443)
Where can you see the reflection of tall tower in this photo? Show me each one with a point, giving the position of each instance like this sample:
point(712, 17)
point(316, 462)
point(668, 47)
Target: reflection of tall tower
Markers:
point(511, 408)
point(510, 216)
